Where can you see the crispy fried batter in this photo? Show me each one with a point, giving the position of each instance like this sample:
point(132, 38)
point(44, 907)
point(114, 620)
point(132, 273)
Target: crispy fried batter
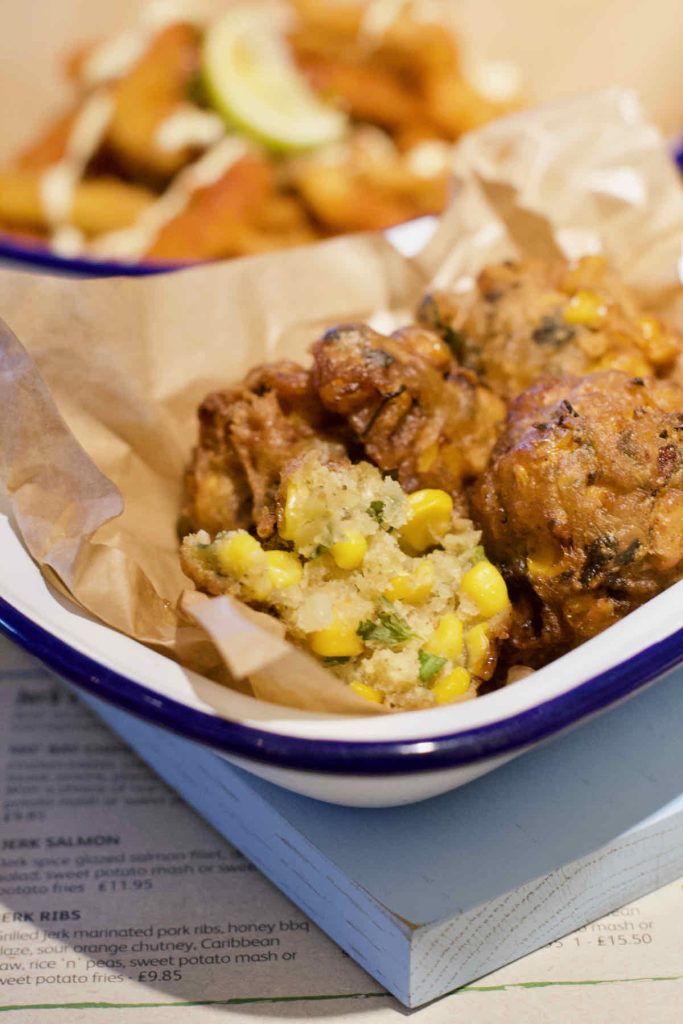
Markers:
point(582, 505)
point(414, 413)
point(144, 97)
point(455, 106)
point(415, 81)
point(210, 226)
point(370, 93)
point(99, 204)
point(530, 319)
point(394, 73)
point(367, 184)
point(247, 434)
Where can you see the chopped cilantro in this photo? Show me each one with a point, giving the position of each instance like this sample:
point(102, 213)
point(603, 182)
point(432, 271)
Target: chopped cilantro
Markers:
point(376, 510)
point(318, 551)
point(430, 664)
point(341, 660)
point(390, 628)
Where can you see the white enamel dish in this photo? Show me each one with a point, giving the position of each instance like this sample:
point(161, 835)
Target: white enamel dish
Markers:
point(369, 761)
point(378, 761)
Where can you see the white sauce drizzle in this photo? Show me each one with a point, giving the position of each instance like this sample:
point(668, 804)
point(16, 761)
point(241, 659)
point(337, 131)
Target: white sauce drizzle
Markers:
point(67, 241)
point(132, 243)
point(498, 80)
point(430, 158)
point(57, 186)
point(114, 57)
point(379, 16)
point(58, 183)
point(189, 126)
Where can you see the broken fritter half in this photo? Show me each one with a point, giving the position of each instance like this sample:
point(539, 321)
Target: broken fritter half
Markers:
point(582, 506)
point(533, 318)
point(391, 591)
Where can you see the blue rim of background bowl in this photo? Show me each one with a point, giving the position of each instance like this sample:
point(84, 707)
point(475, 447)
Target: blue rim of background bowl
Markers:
point(358, 757)
point(40, 256)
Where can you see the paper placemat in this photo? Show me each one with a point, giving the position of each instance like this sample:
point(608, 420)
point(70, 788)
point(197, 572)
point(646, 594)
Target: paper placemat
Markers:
point(118, 901)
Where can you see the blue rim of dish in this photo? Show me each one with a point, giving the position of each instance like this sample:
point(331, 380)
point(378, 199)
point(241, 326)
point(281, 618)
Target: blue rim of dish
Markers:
point(40, 256)
point(359, 758)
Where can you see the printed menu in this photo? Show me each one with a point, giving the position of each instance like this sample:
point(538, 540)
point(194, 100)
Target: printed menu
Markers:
point(118, 902)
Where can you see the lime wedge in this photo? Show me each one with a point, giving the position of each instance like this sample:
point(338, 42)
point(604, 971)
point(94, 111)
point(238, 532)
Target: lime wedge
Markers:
point(253, 82)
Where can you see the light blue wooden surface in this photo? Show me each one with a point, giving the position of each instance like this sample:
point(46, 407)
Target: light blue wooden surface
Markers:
point(547, 808)
point(489, 872)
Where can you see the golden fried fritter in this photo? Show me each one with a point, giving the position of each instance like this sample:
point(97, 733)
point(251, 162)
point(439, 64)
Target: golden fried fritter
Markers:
point(582, 505)
point(414, 412)
point(146, 96)
point(401, 75)
point(366, 184)
point(370, 94)
point(247, 434)
point(404, 75)
point(531, 319)
point(210, 226)
point(98, 204)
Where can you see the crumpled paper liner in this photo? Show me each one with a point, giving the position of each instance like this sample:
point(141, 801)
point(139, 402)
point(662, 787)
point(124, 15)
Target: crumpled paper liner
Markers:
point(98, 410)
point(119, 366)
point(585, 175)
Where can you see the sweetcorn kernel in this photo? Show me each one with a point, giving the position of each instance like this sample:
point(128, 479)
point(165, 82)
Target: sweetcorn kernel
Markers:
point(585, 309)
point(350, 552)
point(650, 327)
point(239, 554)
point(660, 346)
point(451, 686)
point(338, 640)
point(485, 585)
point(588, 268)
point(427, 458)
point(477, 644)
point(626, 362)
point(302, 514)
point(414, 588)
point(546, 559)
point(543, 569)
point(521, 475)
point(429, 518)
point(368, 692)
point(284, 568)
point(290, 512)
point(446, 641)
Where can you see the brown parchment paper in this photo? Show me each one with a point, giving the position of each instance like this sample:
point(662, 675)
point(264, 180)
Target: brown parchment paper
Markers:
point(98, 401)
